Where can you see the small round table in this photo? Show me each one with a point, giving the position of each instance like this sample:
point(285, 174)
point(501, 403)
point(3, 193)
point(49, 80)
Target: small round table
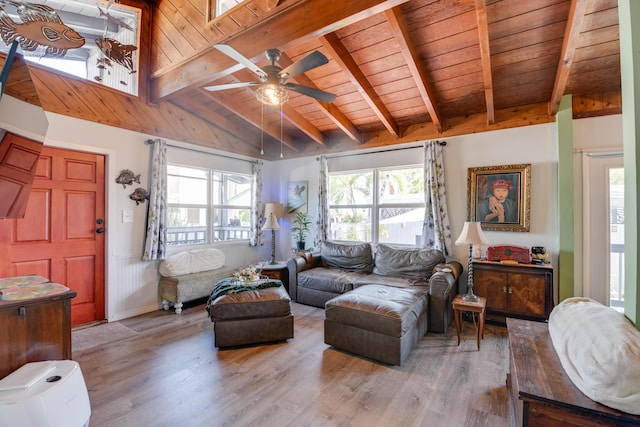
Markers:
point(476, 307)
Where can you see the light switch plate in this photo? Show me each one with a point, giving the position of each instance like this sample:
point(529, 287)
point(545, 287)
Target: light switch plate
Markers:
point(127, 215)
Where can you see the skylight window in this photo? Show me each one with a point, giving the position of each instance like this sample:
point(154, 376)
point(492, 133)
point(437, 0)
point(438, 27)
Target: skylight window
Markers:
point(91, 39)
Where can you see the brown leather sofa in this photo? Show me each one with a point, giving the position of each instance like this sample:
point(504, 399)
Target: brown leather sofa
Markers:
point(340, 268)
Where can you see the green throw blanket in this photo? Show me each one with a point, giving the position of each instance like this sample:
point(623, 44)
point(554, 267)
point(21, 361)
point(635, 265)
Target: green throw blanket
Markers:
point(233, 286)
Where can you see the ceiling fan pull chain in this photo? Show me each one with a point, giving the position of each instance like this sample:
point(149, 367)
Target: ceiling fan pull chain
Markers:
point(262, 132)
point(281, 156)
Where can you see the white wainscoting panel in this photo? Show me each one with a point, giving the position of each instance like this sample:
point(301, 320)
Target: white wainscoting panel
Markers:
point(132, 287)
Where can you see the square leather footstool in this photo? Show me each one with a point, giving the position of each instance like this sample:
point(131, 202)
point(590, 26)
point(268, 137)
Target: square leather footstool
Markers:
point(252, 317)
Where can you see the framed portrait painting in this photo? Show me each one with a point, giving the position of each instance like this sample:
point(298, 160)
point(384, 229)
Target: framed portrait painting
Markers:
point(499, 197)
point(297, 192)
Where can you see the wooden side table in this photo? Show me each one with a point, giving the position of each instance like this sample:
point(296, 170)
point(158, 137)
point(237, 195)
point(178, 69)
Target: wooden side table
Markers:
point(476, 307)
point(278, 271)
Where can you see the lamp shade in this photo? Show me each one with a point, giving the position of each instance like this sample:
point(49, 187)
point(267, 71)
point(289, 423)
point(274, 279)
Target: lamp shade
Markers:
point(277, 209)
point(472, 235)
point(271, 223)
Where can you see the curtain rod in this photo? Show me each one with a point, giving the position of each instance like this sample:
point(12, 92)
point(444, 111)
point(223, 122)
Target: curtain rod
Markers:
point(442, 143)
point(151, 142)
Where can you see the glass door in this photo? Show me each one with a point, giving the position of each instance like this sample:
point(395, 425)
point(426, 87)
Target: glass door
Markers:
point(603, 228)
point(616, 237)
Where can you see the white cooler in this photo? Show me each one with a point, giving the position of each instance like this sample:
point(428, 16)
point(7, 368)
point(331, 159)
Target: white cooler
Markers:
point(45, 394)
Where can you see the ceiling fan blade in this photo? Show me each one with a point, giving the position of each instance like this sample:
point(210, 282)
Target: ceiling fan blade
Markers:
point(314, 93)
point(309, 62)
point(234, 54)
point(215, 88)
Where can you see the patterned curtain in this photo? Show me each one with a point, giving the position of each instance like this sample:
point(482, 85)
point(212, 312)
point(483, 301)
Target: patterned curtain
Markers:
point(323, 232)
point(257, 236)
point(155, 246)
point(436, 233)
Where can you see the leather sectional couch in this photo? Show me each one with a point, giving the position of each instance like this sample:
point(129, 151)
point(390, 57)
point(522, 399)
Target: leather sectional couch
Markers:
point(340, 268)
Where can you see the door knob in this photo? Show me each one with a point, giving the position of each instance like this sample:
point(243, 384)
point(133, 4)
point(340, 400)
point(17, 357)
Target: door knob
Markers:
point(99, 230)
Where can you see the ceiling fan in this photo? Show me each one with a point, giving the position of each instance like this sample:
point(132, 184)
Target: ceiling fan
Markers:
point(273, 78)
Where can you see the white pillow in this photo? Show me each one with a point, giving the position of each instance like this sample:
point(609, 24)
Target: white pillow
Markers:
point(188, 262)
point(600, 352)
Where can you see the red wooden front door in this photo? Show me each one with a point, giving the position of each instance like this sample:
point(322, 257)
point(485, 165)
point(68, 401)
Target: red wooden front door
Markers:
point(58, 237)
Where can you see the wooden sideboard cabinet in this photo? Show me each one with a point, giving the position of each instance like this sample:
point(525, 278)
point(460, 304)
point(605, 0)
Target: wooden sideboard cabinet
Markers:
point(514, 290)
point(33, 330)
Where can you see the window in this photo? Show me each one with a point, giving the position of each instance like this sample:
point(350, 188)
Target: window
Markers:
point(205, 205)
point(383, 205)
point(100, 40)
point(222, 6)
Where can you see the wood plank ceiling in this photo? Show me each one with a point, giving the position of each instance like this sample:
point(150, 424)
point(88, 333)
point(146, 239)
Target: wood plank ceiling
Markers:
point(402, 70)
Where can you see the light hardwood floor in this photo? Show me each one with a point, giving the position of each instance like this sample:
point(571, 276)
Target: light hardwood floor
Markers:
point(170, 374)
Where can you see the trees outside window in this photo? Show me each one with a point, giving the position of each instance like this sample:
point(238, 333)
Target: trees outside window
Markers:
point(377, 205)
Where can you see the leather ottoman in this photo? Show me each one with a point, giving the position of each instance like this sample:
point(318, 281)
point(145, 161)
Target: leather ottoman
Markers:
point(377, 321)
point(252, 317)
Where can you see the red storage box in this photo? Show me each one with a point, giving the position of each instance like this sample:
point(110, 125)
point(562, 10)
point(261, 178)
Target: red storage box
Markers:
point(514, 253)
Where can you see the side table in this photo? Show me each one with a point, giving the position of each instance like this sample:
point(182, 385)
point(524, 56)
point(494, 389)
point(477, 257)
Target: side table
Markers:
point(278, 271)
point(476, 307)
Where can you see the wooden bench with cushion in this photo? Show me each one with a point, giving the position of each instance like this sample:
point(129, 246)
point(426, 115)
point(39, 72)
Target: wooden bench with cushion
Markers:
point(190, 275)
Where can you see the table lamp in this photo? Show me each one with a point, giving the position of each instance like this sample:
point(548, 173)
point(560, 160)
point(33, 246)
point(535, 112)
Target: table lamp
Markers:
point(271, 212)
point(471, 235)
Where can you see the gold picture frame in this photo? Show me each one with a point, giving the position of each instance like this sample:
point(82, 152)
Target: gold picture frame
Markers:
point(499, 197)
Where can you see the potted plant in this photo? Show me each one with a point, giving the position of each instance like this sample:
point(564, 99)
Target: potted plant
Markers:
point(302, 221)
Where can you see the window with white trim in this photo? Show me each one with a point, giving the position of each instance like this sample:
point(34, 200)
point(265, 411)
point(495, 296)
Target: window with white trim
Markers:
point(378, 205)
point(98, 40)
point(207, 205)
point(223, 6)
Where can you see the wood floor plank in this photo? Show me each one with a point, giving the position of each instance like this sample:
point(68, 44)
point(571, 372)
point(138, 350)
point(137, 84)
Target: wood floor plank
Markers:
point(171, 374)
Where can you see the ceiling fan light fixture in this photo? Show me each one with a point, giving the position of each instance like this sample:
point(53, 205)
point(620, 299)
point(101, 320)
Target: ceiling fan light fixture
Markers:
point(272, 94)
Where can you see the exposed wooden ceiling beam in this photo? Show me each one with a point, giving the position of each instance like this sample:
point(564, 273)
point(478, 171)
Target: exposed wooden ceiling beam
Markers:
point(330, 110)
point(401, 33)
point(219, 121)
point(485, 58)
point(293, 26)
point(240, 110)
point(303, 124)
point(507, 118)
point(341, 55)
point(571, 37)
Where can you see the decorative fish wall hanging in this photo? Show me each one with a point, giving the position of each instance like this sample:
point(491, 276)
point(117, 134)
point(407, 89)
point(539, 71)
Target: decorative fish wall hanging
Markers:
point(114, 20)
point(139, 195)
point(117, 52)
point(127, 177)
point(41, 26)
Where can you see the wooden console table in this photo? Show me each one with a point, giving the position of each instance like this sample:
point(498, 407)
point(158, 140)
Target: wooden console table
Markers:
point(34, 329)
point(540, 391)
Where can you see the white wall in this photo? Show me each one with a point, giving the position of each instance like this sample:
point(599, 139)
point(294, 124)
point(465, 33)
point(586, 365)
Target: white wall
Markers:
point(132, 283)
